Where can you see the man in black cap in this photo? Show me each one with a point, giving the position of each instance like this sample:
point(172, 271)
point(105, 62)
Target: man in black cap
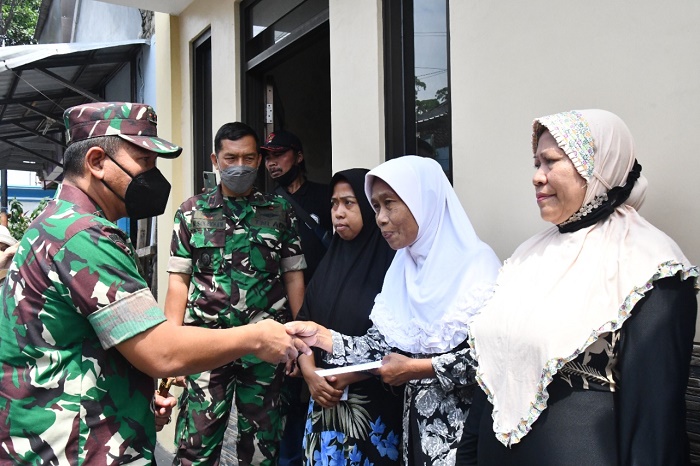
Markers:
point(82, 335)
point(284, 160)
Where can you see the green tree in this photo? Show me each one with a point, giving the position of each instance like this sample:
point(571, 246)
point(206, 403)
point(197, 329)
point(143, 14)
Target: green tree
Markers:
point(423, 106)
point(18, 221)
point(420, 85)
point(442, 95)
point(426, 105)
point(18, 20)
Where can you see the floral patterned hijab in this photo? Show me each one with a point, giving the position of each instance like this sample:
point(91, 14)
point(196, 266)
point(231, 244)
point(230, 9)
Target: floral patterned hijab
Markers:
point(559, 292)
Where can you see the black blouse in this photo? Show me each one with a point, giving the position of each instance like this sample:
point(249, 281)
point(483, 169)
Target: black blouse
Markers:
point(620, 402)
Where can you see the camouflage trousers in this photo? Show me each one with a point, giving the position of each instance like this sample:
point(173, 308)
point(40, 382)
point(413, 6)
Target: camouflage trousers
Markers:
point(205, 406)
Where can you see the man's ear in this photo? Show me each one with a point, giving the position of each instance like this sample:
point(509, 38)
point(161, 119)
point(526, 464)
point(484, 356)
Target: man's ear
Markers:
point(95, 159)
point(214, 161)
point(300, 157)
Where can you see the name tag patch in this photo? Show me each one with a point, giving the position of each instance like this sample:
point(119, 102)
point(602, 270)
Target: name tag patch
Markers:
point(203, 221)
point(269, 218)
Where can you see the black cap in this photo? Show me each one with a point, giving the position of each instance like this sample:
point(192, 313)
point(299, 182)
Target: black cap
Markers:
point(281, 141)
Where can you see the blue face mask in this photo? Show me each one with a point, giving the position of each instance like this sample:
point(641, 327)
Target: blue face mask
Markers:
point(239, 178)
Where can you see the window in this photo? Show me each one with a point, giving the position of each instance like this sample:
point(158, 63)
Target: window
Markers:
point(417, 88)
point(201, 111)
point(271, 25)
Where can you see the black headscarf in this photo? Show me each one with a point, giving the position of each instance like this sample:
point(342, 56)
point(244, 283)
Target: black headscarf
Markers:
point(341, 293)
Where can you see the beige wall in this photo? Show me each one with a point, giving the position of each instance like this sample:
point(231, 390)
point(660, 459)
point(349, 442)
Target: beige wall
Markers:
point(510, 62)
point(514, 61)
point(174, 38)
point(168, 103)
point(357, 83)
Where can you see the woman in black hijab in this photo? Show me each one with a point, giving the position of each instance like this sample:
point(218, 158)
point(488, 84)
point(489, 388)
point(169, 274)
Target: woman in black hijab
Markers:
point(353, 418)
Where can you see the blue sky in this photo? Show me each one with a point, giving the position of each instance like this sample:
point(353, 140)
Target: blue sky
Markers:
point(21, 178)
point(430, 29)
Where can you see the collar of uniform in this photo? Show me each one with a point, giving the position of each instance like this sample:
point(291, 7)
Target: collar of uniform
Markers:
point(260, 199)
point(79, 198)
point(215, 198)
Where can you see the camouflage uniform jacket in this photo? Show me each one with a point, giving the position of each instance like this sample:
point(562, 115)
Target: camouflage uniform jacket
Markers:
point(73, 293)
point(235, 251)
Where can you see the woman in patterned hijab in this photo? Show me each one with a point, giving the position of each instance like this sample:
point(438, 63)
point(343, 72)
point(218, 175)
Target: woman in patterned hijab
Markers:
point(583, 352)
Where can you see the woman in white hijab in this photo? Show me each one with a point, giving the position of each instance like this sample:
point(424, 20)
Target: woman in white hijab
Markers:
point(440, 277)
point(583, 352)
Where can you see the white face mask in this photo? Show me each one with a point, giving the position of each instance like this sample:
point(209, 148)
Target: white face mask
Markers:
point(239, 178)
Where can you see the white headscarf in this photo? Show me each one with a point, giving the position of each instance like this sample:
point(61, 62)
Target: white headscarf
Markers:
point(559, 291)
point(434, 286)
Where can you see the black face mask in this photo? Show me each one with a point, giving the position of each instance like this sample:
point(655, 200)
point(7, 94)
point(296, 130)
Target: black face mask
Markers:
point(287, 179)
point(147, 193)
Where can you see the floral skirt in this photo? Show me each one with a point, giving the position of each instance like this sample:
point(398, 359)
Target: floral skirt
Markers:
point(363, 430)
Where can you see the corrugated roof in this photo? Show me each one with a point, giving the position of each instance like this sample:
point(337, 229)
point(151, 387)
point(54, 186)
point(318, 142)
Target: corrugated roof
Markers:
point(37, 83)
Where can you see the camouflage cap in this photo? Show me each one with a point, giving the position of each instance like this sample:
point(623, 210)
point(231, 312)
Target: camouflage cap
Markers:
point(132, 122)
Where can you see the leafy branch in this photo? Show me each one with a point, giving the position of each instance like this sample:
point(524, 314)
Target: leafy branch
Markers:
point(18, 19)
point(18, 221)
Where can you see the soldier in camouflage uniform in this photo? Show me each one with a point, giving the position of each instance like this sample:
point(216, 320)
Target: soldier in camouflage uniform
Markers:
point(82, 335)
point(238, 253)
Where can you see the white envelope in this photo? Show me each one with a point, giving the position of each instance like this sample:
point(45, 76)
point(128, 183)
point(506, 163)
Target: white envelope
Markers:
point(344, 370)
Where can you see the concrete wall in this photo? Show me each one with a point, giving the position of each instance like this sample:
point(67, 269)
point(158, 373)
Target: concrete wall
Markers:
point(517, 61)
point(146, 75)
point(119, 88)
point(514, 61)
point(168, 101)
point(357, 83)
point(116, 22)
point(59, 22)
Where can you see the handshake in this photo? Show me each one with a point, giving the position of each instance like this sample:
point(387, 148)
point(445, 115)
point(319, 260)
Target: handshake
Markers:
point(307, 332)
point(278, 343)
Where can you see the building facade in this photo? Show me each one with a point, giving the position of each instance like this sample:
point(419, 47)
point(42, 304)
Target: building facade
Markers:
point(348, 77)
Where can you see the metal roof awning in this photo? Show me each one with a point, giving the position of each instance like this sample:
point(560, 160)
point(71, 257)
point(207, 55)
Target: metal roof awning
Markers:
point(37, 83)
